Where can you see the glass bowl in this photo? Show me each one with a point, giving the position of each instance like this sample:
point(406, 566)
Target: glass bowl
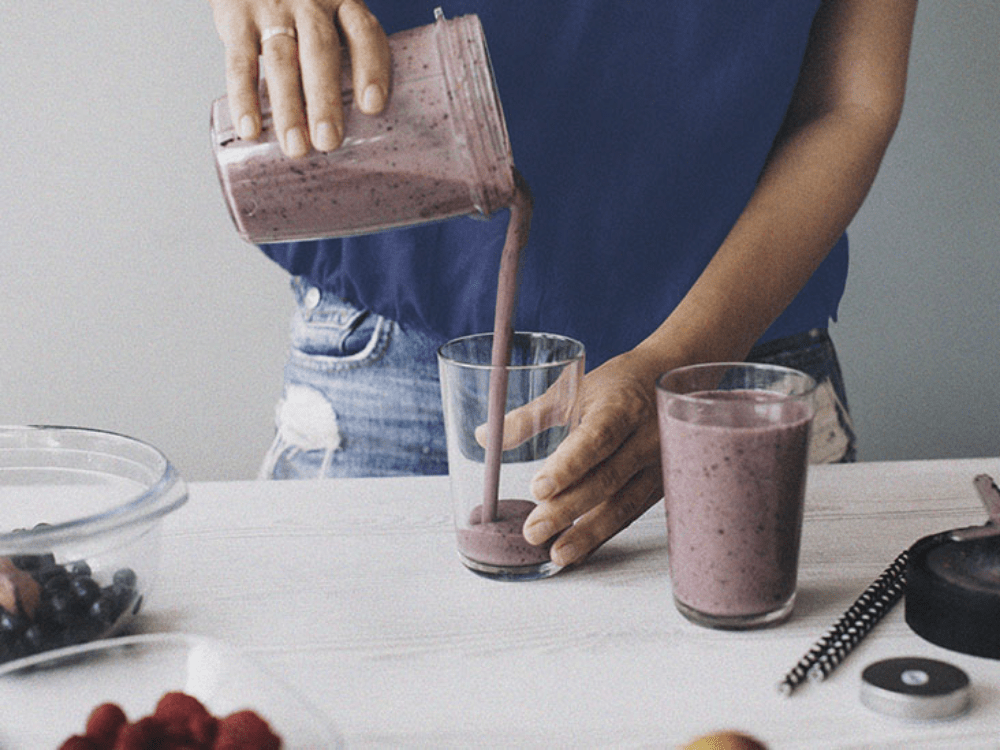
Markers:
point(81, 512)
point(47, 698)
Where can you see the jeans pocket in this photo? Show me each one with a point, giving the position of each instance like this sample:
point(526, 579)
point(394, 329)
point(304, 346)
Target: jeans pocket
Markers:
point(330, 333)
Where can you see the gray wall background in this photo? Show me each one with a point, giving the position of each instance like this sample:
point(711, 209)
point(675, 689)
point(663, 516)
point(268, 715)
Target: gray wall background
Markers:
point(128, 303)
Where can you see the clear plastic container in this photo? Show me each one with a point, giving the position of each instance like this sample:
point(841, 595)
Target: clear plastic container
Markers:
point(439, 149)
point(80, 537)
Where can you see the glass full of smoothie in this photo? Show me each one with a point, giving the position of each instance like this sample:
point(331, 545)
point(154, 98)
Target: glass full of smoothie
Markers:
point(491, 494)
point(735, 441)
point(439, 149)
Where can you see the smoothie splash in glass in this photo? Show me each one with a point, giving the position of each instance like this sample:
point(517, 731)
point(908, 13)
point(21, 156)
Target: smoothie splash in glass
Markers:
point(735, 442)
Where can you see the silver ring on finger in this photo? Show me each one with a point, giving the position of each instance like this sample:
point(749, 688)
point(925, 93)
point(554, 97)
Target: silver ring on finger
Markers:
point(272, 31)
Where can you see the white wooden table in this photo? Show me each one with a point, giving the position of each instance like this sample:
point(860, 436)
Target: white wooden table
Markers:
point(352, 590)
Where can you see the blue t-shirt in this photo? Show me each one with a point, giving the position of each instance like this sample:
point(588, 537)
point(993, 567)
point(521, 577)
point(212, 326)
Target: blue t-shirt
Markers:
point(641, 128)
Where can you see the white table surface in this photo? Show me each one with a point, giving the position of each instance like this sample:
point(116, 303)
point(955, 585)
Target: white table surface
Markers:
point(352, 590)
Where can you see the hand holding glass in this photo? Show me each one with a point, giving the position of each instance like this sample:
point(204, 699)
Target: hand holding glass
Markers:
point(543, 384)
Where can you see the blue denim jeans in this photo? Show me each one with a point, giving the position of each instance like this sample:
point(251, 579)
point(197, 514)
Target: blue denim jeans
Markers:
point(362, 397)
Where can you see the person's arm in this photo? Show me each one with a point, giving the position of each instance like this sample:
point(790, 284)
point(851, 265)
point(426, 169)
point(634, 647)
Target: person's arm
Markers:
point(844, 111)
point(303, 68)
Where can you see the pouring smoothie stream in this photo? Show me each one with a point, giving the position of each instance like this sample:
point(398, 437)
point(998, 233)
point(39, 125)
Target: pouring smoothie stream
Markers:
point(439, 149)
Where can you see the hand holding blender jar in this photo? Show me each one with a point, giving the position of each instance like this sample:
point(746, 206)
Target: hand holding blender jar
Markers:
point(438, 149)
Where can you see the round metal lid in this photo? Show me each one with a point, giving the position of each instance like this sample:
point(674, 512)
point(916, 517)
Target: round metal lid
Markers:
point(913, 687)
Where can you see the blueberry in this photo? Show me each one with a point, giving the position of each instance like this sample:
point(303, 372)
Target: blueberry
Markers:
point(81, 631)
point(11, 628)
point(123, 590)
point(11, 648)
point(125, 577)
point(47, 571)
point(11, 623)
point(34, 639)
point(79, 568)
point(57, 609)
point(74, 608)
point(86, 590)
point(104, 610)
point(33, 562)
point(57, 582)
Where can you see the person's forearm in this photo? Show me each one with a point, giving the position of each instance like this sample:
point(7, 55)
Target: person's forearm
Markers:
point(815, 179)
point(808, 194)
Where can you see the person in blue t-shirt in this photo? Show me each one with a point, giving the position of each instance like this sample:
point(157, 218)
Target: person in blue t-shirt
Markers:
point(694, 165)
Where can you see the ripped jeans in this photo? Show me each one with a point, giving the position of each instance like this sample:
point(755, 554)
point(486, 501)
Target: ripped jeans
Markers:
point(362, 396)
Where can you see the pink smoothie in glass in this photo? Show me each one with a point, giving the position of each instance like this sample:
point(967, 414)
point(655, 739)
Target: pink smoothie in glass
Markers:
point(734, 495)
point(500, 541)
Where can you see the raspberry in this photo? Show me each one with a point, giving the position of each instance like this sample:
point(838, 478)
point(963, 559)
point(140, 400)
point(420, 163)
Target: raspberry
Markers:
point(245, 730)
point(180, 722)
point(105, 722)
point(185, 718)
point(79, 742)
point(144, 734)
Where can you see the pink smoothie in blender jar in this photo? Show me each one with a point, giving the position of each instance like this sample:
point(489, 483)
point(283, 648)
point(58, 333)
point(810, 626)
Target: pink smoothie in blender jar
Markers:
point(439, 149)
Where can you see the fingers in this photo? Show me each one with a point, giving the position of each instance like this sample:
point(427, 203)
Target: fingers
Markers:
point(550, 409)
point(603, 484)
point(302, 68)
point(607, 470)
point(319, 64)
point(598, 436)
point(280, 57)
point(370, 58)
point(601, 523)
point(238, 32)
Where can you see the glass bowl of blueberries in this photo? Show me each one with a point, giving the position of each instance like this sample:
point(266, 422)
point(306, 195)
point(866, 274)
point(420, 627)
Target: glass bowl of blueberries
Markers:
point(80, 517)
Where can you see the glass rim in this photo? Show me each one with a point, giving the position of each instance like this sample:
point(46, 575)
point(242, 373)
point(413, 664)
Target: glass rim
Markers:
point(579, 351)
point(809, 389)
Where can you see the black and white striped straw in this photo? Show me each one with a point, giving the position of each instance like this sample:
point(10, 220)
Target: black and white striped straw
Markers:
point(852, 626)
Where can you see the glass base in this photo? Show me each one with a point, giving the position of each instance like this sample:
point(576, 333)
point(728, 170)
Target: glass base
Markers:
point(737, 622)
point(534, 572)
